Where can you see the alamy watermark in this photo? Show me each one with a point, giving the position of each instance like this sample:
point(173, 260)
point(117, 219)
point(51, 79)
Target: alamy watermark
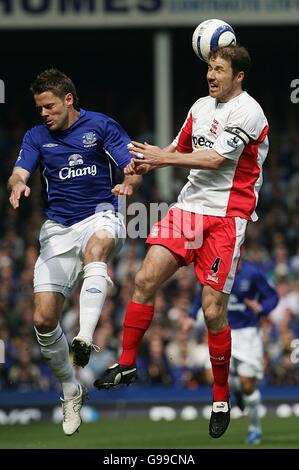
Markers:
point(295, 93)
point(2, 351)
point(176, 224)
point(2, 92)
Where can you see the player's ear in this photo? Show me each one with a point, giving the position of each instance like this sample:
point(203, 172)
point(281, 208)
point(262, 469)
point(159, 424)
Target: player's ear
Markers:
point(240, 77)
point(69, 99)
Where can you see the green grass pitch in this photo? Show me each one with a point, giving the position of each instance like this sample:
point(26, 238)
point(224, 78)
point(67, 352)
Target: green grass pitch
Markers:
point(278, 433)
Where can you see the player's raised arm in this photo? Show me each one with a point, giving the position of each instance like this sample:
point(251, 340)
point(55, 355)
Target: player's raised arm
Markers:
point(17, 186)
point(155, 157)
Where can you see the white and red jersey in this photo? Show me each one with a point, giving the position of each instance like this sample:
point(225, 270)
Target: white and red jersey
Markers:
point(237, 130)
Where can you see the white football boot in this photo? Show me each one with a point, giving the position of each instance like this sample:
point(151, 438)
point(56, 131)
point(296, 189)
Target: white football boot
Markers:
point(71, 411)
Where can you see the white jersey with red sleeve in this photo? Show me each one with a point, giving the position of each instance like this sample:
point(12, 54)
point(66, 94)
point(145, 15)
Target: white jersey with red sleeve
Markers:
point(237, 130)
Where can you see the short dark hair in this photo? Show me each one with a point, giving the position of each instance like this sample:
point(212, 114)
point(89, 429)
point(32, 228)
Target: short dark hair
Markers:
point(56, 81)
point(238, 56)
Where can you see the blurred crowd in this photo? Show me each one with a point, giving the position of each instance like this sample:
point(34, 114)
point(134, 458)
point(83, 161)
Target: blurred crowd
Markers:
point(168, 355)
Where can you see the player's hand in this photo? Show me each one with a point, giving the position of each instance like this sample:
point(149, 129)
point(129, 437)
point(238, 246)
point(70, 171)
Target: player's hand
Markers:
point(253, 305)
point(132, 169)
point(146, 154)
point(16, 193)
point(123, 189)
point(186, 323)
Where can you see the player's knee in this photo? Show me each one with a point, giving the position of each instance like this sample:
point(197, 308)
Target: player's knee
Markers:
point(144, 283)
point(248, 385)
point(95, 252)
point(98, 249)
point(214, 312)
point(215, 320)
point(43, 323)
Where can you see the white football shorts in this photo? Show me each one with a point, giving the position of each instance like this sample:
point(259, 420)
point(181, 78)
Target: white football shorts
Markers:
point(247, 352)
point(62, 248)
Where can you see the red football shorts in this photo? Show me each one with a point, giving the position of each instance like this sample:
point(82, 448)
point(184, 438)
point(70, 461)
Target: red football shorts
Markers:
point(213, 243)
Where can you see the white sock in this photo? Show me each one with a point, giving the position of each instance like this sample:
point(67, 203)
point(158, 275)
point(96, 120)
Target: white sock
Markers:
point(55, 349)
point(92, 297)
point(252, 402)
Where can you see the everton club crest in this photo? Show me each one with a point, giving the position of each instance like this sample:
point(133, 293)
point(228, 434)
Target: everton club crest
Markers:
point(89, 139)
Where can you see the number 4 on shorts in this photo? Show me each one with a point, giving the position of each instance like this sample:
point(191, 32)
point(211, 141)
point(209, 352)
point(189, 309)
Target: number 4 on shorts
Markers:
point(215, 265)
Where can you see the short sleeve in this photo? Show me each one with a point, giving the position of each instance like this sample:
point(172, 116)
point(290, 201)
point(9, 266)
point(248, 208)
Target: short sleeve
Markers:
point(29, 154)
point(115, 143)
point(183, 141)
point(245, 124)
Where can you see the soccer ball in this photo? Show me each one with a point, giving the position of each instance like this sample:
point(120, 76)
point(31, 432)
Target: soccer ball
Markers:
point(211, 34)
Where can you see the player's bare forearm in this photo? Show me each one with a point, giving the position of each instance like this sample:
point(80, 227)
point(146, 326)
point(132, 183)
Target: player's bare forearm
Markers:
point(129, 186)
point(134, 181)
point(13, 180)
point(202, 160)
point(17, 186)
point(156, 157)
point(169, 149)
point(18, 175)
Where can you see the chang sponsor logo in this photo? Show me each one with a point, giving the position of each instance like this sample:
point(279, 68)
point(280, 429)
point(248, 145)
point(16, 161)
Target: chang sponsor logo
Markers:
point(76, 160)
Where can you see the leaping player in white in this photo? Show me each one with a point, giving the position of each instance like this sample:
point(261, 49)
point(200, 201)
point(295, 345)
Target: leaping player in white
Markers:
point(224, 143)
point(77, 152)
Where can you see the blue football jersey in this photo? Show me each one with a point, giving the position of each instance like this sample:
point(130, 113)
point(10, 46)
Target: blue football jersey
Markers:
point(250, 283)
point(77, 165)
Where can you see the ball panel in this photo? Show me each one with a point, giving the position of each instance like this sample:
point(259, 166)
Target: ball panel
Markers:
point(217, 36)
point(210, 34)
point(227, 39)
point(196, 39)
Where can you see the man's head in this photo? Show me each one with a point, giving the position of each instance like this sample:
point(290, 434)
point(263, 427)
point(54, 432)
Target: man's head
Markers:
point(55, 97)
point(228, 67)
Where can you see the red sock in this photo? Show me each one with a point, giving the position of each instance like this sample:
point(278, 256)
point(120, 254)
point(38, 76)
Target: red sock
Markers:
point(220, 352)
point(138, 318)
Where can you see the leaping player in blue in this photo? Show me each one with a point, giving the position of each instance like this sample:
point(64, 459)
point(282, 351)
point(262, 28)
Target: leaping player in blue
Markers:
point(251, 299)
point(77, 152)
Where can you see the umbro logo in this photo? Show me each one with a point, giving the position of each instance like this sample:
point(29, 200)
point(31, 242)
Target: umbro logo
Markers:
point(94, 290)
point(50, 145)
